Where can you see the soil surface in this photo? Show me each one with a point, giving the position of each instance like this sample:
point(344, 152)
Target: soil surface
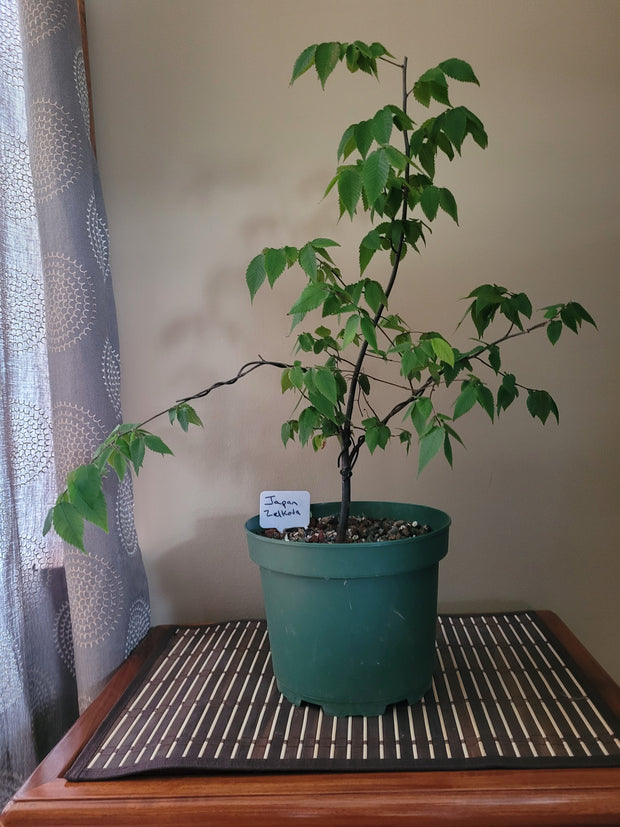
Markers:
point(360, 530)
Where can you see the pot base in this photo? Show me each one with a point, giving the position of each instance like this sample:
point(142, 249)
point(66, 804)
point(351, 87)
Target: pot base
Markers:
point(342, 709)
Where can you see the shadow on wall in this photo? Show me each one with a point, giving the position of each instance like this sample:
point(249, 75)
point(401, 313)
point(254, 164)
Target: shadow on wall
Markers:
point(191, 582)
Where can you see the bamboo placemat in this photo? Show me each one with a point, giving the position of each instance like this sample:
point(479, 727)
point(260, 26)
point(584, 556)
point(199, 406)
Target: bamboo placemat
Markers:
point(505, 694)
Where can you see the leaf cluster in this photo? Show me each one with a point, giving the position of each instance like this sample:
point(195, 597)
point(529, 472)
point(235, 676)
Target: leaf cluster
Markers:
point(83, 500)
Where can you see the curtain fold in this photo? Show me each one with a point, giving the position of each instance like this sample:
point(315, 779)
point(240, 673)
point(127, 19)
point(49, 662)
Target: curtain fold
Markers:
point(66, 619)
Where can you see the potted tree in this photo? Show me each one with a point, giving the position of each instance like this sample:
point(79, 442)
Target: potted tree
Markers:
point(352, 612)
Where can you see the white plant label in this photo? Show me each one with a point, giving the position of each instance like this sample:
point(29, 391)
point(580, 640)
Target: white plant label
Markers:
point(284, 509)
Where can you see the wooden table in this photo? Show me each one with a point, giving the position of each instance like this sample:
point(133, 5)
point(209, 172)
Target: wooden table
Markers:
point(476, 797)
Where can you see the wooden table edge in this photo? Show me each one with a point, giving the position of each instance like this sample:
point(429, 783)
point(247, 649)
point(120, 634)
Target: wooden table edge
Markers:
point(567, 793)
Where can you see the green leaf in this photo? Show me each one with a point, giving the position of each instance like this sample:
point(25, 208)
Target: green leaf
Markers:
point(432, 84)
point(382, 125)
point(326, 57)
point(447, 203)
point(85, 489)
point(377, 434)
point(485, 399)
point(312, 296)
point(443, 350)
point(296, 376)
point(303, 62)
point(48, 521)
point(350, 330)
point(430, 201)
point(321, 243)
point(375, 174)
point(495, 359)
point(364, 383)
point(347, 143)
point(374, 295)
point(455, 125)
point(364, 137)
point(396, 158)
point(466, 399)
point(554, 331)
point(420, 412)
point(459, 69)
point(154, 443)
point(308, 420)
point(286, 432)
point(349, 188)
point(583, 313)
point(507, 392)
point(326, 383)
point(274, 263)
point(430, 445)
point(255, 274)
point(368, 331)
point(118, 462)
point(307, 260)
point(137, 446)
point(540, 404)
point(69, 524)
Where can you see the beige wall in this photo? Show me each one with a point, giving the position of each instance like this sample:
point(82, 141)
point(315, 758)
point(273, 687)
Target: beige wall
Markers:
point(207, 155)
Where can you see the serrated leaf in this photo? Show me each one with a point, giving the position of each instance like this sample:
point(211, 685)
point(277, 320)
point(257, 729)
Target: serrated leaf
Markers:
point(363, 136)
point(350, 330)
point(540, 404)
point(459, 69)
point(85, 490)
point(583, 313)
point(137, 447)
point(447, 203)
point(396, 158)
point(368, 331)
point(443, 350)
point(554, 331)
point(296, 376)
point(377, 434)
point(326, 57)
point(420, 412)
point(274, 262)
point(375, 174)
point(430, 201)
point(455, 125)
point(325, 383)
point(485, 399)
point(307, 261)
point(349, 188)
point(495, 359)
point(465, 400)
point(255, 274)
point(374, 295)
point(118, 462)
point(308, 420)
point(156, 444)
point(430, 445)
point(382, 125)
point(321, 243)
point(422, 92)
point(303, 62)
point(347, 144)
point(312, 296)
point(69, 524)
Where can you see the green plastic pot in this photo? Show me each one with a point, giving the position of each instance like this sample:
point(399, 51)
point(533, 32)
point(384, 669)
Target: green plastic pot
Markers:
point(352, 626)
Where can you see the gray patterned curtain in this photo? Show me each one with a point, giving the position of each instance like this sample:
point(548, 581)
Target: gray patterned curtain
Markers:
point(66, 619)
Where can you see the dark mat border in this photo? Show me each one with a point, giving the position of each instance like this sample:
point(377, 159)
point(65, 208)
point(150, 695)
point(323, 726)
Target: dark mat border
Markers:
point(78, 771)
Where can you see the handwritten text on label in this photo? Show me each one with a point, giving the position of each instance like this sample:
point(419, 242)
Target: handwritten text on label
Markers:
point(284, 509)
